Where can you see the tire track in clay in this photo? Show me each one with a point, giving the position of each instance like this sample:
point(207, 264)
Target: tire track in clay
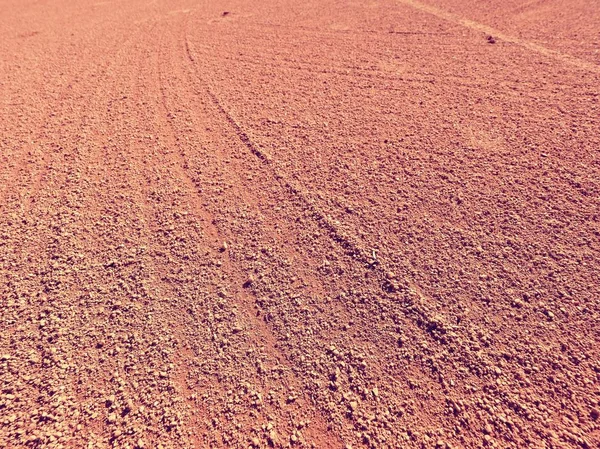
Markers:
point(261, 335)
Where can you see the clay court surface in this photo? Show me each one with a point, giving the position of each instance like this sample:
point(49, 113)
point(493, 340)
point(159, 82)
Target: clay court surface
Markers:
point(288, 223)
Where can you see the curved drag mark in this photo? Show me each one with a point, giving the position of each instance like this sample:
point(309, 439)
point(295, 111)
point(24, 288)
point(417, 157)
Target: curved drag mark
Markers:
point(415, 300)
point(261, 329)
point(347, 242)
point(473, 25)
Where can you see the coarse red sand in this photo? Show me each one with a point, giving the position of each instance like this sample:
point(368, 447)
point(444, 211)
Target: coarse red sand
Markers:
point(327, 224)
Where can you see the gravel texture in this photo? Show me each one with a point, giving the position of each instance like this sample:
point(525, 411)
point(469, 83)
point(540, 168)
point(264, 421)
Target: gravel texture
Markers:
point(313, 224)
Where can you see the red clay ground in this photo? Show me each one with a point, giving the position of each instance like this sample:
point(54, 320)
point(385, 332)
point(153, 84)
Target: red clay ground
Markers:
point(327, 224)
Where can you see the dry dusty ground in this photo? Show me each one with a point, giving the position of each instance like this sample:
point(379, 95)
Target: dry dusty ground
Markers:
point(327, 224)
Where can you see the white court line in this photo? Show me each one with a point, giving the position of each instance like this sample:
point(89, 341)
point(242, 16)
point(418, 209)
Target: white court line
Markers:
point(454, 18)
